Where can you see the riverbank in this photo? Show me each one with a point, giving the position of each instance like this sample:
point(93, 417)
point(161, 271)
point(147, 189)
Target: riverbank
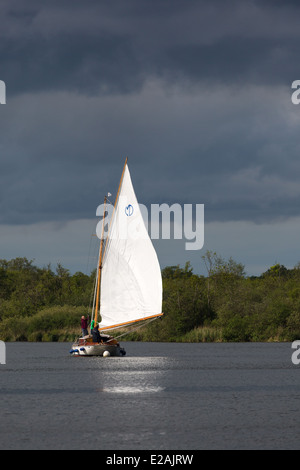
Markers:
point(67, 335)
point(39, 305)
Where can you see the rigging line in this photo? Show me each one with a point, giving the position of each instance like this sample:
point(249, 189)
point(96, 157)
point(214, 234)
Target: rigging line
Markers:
point(137, 328)
point(92, 297)
point(99, 267)
point(90, 255)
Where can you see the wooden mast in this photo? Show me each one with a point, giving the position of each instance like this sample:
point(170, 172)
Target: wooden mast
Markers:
point(101, 254)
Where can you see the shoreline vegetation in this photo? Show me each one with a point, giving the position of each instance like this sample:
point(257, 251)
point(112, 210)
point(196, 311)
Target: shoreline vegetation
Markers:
point(225, 305)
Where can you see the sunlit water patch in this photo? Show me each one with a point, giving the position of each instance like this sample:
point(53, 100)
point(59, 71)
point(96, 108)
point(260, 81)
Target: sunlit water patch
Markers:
point(131, 389)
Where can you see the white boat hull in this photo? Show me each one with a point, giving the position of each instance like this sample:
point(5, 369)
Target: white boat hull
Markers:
point(95, 349)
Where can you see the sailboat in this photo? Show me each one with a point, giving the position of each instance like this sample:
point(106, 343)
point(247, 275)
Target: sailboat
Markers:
point(128, 288)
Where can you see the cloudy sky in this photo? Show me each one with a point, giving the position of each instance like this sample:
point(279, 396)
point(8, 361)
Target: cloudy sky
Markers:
point(197, 94)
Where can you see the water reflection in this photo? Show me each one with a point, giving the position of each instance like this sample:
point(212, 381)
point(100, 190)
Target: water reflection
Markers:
point(139, 375)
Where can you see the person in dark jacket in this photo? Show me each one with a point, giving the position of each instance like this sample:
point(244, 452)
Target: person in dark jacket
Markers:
point(84, 325)
point(96, 335)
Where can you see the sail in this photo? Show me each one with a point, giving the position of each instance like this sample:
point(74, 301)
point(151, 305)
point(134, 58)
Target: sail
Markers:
point(131, 283)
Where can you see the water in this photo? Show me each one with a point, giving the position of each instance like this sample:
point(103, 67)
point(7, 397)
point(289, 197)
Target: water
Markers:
point(158, 397)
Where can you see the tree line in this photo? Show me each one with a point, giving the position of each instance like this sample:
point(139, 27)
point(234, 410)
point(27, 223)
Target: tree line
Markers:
point(45, 304)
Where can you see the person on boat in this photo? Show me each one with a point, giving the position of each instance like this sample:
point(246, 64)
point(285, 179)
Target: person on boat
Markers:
point(84, 325)
point(96, 335)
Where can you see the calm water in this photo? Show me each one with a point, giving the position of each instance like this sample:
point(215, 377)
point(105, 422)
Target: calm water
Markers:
point(158, 397)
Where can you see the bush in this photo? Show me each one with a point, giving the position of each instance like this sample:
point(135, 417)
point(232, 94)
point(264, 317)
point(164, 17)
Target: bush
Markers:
point(203, 334)
point(50, 324)
point(237, 330)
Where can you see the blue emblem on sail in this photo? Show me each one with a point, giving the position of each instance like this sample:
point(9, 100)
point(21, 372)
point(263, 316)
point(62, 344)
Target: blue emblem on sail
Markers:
point(129, 210)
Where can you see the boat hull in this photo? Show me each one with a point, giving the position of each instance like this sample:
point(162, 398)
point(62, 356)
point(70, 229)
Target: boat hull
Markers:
point(84, 347)
point(96, 350)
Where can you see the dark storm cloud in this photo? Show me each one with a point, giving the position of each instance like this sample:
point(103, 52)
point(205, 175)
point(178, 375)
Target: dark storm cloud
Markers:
point(64, 152)
point(196, 93)
point(232, 61)
point(95, 46)
point(69, 61)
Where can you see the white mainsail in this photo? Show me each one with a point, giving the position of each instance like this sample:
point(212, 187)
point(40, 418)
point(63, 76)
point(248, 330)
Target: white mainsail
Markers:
point(131, 282)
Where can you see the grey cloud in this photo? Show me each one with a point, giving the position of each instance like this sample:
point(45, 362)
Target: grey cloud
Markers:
point(95, 47)
point(196, 94)
point(68, 62)
point(226, 150)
